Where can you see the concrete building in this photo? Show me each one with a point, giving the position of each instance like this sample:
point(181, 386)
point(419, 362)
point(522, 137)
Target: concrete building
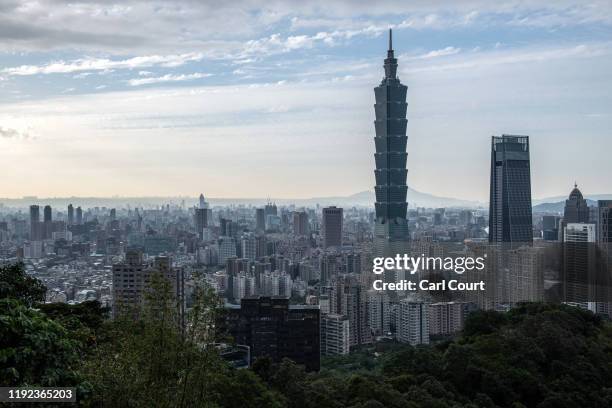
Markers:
point(335, 333)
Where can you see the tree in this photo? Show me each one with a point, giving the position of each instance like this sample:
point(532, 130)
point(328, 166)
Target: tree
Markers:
point(35, 350)
point(15, 283)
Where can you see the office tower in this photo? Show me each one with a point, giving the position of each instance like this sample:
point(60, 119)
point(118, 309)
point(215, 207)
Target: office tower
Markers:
point(270, 209)
point(604, 240)
point(579, 260)
point(412, 324)
point(576, 208)
point(550, 227)
point(70, 214)
point(35, 225)
point(331, 228)
point(348, 297)
point(47, 214)
point(260, 220)
point(202, 218)
point(113, 214)
point(510, 220)
point(47, 227)
point(132, 277)
point(300, 223)
point(335, 332)
point(391, 228)
point(272, 327)
point(379, 312)
point(604, 223)
point(202, 202)
point(79, 216)
point(249, 247)
point(446, 317)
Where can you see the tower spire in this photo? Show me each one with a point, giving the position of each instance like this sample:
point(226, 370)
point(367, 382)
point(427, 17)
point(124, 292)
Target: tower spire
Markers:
point(390, 62)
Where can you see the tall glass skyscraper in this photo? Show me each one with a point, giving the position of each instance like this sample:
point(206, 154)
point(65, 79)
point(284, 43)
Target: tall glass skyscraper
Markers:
point(391, 225)
point(510, 219)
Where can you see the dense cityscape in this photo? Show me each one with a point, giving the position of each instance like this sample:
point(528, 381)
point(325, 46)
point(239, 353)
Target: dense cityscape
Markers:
point(296, 282)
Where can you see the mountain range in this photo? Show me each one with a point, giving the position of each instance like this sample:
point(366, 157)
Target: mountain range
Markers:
point(361, 199)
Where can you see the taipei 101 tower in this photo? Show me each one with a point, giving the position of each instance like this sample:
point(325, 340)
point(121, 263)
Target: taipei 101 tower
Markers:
point(391, 230)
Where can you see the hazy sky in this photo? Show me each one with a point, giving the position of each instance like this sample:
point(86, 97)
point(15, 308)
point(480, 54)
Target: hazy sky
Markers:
point(271, 98)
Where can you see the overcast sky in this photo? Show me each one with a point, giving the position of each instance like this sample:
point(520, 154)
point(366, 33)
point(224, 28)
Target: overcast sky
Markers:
point(270, 98)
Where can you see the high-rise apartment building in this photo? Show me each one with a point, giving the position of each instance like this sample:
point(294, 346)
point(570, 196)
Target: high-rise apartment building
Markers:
point(412, 324)
point(132, 278)
point(391, 228)
point(300, 223)
point(331, 230)
point(446, 318)
point(379, 312)
point(348, 297)
point(510, 214)
point(335, 335)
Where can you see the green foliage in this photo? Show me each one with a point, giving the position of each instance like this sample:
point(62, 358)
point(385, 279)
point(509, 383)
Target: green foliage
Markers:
point(537, 355)
point(15, 283)
point(35, 350)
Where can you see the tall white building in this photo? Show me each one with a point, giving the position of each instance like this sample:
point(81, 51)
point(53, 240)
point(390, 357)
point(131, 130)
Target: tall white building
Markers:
point(335, 333)
point(446, 317)
point(412, 321)
point(379, 312)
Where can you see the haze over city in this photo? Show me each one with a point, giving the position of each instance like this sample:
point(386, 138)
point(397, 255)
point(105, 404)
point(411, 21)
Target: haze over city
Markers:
point(242, 100)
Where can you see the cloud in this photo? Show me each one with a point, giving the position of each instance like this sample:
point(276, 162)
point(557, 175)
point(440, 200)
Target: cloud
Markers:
point(514, 56)
point(439, 53)
point(104, 64)
point(167, 78)
point(10, 133)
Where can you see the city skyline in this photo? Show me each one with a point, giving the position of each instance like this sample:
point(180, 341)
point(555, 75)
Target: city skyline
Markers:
point(261, 110)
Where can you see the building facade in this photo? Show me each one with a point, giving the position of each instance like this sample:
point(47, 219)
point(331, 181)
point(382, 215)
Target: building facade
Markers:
point(391, 228)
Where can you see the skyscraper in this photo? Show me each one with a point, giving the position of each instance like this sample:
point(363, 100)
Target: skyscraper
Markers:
point(510, 219)
point(332, 227)
point(300, 223)
point(579, 257)
point(576, 208)
point(36, 230)
point(47, 213)
point(70, 214)
point(47, 222)
point(79, 216)
point(202, 218)
point(391, 228)
point(260, 219)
